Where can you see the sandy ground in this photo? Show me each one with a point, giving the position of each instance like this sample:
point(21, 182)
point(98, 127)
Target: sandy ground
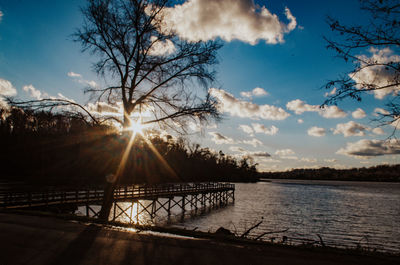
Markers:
point(46, 240)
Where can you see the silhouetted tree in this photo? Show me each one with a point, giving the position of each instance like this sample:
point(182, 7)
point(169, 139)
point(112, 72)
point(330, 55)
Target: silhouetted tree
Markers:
point(149, 66)
point(378, 74)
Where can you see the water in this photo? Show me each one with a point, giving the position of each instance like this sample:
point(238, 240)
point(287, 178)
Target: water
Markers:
point(343, 214)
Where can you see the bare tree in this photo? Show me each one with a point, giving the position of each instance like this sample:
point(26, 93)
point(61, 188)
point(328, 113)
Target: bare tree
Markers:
point(148, 65)
point(378, 74)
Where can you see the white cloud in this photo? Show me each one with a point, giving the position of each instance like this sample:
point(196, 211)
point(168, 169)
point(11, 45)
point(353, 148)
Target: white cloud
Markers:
point(300, 121)
point(259, 154)
point(104, 108)
point(358, 114)
point(380, 111)
point(378, 131)
point(6, 88)
point(284, 152)
point(332, 112)
point(33, 92)
point(78, 78)
point(228, 103)
point(308, 160)
point(299, 106)
point(258, 92)
point(247, 94)
point(220, 139)
point(254, 142)
point(370, 148)
point(260, 128)
point(247, 129)
point(332, 160)
point(350, 128)
point(161, 47)
point(316, 131)
point(202, 20)
point(236, 149)
point(72, 74)
point(331, 93)
point(329, 112)
point(378, 75)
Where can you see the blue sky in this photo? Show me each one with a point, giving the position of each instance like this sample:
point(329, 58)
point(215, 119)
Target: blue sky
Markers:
point(37, 52)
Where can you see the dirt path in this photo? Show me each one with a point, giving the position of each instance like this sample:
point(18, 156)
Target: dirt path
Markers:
point(45, 240)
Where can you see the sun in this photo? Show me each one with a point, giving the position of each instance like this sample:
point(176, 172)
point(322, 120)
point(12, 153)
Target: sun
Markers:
point(136, 127)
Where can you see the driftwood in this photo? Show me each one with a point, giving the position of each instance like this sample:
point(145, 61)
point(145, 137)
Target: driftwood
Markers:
point(271, 232)
point(251, 228)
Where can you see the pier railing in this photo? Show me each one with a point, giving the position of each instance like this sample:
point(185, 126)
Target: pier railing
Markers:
point(24, 199)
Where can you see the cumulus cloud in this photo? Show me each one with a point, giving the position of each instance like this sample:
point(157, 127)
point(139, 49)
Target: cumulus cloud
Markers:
point(161, 47)
point(220, 139)
point(300, 121)
point(259, 154)
point(370, 148)
point(286, 154)
point(378, 131)
point(380, 111)
point(244, 109)
point(104, 108)
point(202, 20)
point(308, 160)
point(330, 112)
point(236, 149)
point(6, 88)
point(33, 92)
point(378, 75)
point(350, 128)
point(247, 129)
point(316, 131)
point(78, 78)
point(254, 142)
point(260, 128)
point(358, 114)
point(258, 92)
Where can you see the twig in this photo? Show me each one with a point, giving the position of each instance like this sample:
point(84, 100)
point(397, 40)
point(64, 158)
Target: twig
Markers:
point(272, 232)
point(251, 228)
point(321, 241)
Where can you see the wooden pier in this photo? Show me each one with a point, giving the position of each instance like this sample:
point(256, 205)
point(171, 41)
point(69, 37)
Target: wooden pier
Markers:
point(129, 201)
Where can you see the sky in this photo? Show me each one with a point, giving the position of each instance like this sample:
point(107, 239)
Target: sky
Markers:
point(270, 76)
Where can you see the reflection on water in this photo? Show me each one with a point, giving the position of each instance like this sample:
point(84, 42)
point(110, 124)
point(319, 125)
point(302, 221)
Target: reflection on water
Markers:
point(342, 213)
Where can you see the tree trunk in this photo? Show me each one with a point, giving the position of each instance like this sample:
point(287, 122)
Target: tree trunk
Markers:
point(108, 200)
point(110, 185)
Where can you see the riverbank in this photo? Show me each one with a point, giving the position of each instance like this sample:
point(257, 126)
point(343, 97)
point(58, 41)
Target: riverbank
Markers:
point(28, 239)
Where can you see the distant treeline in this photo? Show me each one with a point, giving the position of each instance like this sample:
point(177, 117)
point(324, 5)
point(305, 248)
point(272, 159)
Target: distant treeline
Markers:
point(376, 173)
point(44, 148)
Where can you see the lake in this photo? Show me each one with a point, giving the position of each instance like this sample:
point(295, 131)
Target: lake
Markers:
point(343, 214)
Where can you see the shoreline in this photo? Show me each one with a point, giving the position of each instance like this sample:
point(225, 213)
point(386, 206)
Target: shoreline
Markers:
point(47, 238)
